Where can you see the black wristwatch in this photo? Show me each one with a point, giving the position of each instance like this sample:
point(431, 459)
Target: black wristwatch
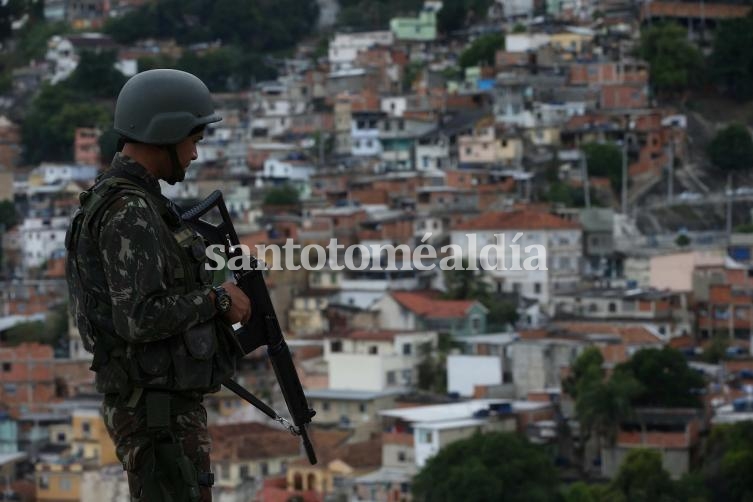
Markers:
point(222, 300)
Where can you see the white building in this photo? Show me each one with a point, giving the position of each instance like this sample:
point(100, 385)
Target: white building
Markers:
point(344, 48)
point(41, 238)
point(52, 174)
point(375, 360)
point(436, 426)
point(523, 251)
point(364, 133)
point(394, 106)
point(524, 42)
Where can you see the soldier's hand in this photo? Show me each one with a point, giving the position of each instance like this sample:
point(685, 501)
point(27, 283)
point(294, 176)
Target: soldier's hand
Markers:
point(240, 310)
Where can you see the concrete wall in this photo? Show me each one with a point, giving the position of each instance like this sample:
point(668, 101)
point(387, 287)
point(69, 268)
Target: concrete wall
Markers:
point(465, 372)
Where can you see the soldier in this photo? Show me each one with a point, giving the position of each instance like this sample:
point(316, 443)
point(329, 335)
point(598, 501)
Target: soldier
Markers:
point(142, 298)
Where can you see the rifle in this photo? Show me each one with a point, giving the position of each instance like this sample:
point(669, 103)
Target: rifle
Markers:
point(262, 329)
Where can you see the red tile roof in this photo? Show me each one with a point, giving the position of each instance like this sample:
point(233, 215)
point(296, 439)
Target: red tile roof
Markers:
point(428, 304)
point(694, 9)
point(518, 220)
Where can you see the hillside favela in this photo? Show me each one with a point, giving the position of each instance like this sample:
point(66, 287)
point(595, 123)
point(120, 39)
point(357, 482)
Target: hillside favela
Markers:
point(564, 190)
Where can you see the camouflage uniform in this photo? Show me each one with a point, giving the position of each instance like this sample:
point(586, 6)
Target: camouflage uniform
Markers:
point(140, 296)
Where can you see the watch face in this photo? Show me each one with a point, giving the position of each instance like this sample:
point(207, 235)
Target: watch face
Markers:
point(224, 301)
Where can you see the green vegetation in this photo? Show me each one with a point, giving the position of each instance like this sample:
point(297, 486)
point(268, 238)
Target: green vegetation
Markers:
point(375, 14)
point(482, 50)
point(682, 240)
point(675, 63)
point(605, 159)
point(665, 378)
point(456, 14)
point(257, 26)
point(732, 148)
point(731, 60)
point(468, 284)
point(727, 462)
point(496, 466)
point(284, 195)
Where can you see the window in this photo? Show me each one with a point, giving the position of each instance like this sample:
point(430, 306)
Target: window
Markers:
point(10, 389)
point(424, 436)
point(401, 456)
point(362, 407)
point(476, 324)
point(44, 481)
point(373, 349)
point(390, 378)
point(61, 437)
point(264, 468)
point(336, 346)
point(537, 288)
point(86, 427)
point(244, 472)
point(7, 367)
point(325, 405)
point(612, 307)
point(407, 349)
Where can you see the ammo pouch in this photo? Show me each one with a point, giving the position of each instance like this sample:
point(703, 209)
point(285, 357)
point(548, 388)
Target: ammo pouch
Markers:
point(199, 359)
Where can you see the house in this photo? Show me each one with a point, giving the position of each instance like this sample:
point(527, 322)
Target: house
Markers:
point(28, 383)
point(10, 151)
point(722, 300)
point(433, 427)
point(365, 133)
point(354, 410)
point(245, 453)
point(666, 312)
point(86, 146)
point(425, 310)
point(336, 470)
point(417, 29)
point(42, 239)
point(674, 432)
point(397, 136)
point(61, 477)
point(482, 366)
point(345, 47)
point(63, 53)
point(528, 230)
point(376, 360)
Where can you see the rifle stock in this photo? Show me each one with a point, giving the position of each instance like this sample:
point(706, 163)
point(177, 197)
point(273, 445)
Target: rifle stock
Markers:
point(262, 329)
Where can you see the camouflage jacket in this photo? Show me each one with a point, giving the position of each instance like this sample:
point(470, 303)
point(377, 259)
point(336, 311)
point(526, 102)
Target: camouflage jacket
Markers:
point(141, 284)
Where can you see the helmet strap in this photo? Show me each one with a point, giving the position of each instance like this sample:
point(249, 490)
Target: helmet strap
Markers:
point(176, 172)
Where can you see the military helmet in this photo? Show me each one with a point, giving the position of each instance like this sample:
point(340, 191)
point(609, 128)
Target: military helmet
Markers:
point(162, 106)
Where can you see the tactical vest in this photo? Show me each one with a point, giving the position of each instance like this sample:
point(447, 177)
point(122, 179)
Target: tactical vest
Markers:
point(197, 360)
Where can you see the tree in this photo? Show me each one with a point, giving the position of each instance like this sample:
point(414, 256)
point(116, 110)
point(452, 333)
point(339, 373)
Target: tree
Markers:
point(675, 64)
point(665, 378)
point(284, 195)
point(456, 14)
point(495, 466)
point(604, 159)
point(731, 61)
point(642, 478)
point(8, 214)
point(732, 148)
point(483, 50)
point(49, 127)
point(682, 240)
point(95, 75)
point(727, 462)
point(599, 405)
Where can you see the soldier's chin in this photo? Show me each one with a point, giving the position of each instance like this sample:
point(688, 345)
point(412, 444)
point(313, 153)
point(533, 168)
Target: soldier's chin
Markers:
point(176, 176)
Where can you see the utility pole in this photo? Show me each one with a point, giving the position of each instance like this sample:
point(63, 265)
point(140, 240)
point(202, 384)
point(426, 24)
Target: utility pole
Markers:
point(586, 186)
point(729, 208)
point(670, 184)
point(624, 174)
